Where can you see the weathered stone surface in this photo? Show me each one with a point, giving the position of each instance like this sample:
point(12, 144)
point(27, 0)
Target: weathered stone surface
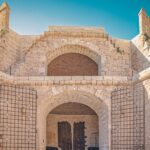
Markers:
point(120, 63)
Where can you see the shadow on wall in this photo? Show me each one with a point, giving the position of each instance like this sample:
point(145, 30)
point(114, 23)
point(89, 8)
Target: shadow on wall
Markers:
point(139, 59)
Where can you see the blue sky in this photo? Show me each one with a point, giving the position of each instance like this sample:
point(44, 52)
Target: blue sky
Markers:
point(118, 17)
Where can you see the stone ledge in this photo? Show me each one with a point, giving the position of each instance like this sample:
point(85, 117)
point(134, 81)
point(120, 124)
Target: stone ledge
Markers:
point(98, 80)
point(65, 80)
point(83, 80)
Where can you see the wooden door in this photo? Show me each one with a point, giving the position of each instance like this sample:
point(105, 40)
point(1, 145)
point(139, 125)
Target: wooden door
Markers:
point(79, 136)
point(64, 136)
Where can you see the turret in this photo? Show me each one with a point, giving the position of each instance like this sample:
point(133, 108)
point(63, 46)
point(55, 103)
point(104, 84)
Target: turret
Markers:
point(144, 23)
point(4, 16)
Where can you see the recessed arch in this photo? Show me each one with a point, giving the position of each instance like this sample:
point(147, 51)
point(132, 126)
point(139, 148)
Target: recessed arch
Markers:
point(72, 115)
point(72, 64)
point(85, 55)
point(72, 108)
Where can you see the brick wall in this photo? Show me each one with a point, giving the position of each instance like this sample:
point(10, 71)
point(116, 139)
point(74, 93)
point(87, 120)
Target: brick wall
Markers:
point(72, 64)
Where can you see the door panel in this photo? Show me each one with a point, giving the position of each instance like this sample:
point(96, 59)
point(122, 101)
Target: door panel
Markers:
point(79, 136)
point(64, 136)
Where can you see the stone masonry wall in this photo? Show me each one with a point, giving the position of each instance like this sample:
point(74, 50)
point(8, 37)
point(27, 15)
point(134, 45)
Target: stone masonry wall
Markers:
point(9, 52)
point(12, 50)
point(147, 113)
point(110, 61)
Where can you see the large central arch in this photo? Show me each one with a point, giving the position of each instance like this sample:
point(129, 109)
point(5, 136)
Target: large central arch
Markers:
point(93, 102)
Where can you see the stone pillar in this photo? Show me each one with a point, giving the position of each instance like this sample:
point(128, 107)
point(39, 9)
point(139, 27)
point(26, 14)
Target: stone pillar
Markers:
point(41, 131)
point(104, 132)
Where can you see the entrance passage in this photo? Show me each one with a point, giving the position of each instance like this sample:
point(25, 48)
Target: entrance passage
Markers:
point(72, 126)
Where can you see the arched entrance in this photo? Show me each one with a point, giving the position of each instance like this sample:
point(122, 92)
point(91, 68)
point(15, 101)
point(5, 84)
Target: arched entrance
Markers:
point(60, 97)
point(72, 126)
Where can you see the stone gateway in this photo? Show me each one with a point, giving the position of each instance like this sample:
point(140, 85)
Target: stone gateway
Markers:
point(74, 88)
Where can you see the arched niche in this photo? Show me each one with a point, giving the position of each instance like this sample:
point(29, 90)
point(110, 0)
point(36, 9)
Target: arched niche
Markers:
point(72, 64)
point(73, 60)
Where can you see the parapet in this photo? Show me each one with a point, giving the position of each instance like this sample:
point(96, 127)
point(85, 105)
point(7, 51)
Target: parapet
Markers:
point(69, 31)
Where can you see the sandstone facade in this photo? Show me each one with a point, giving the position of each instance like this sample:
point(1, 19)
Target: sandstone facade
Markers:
point(117, 63)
